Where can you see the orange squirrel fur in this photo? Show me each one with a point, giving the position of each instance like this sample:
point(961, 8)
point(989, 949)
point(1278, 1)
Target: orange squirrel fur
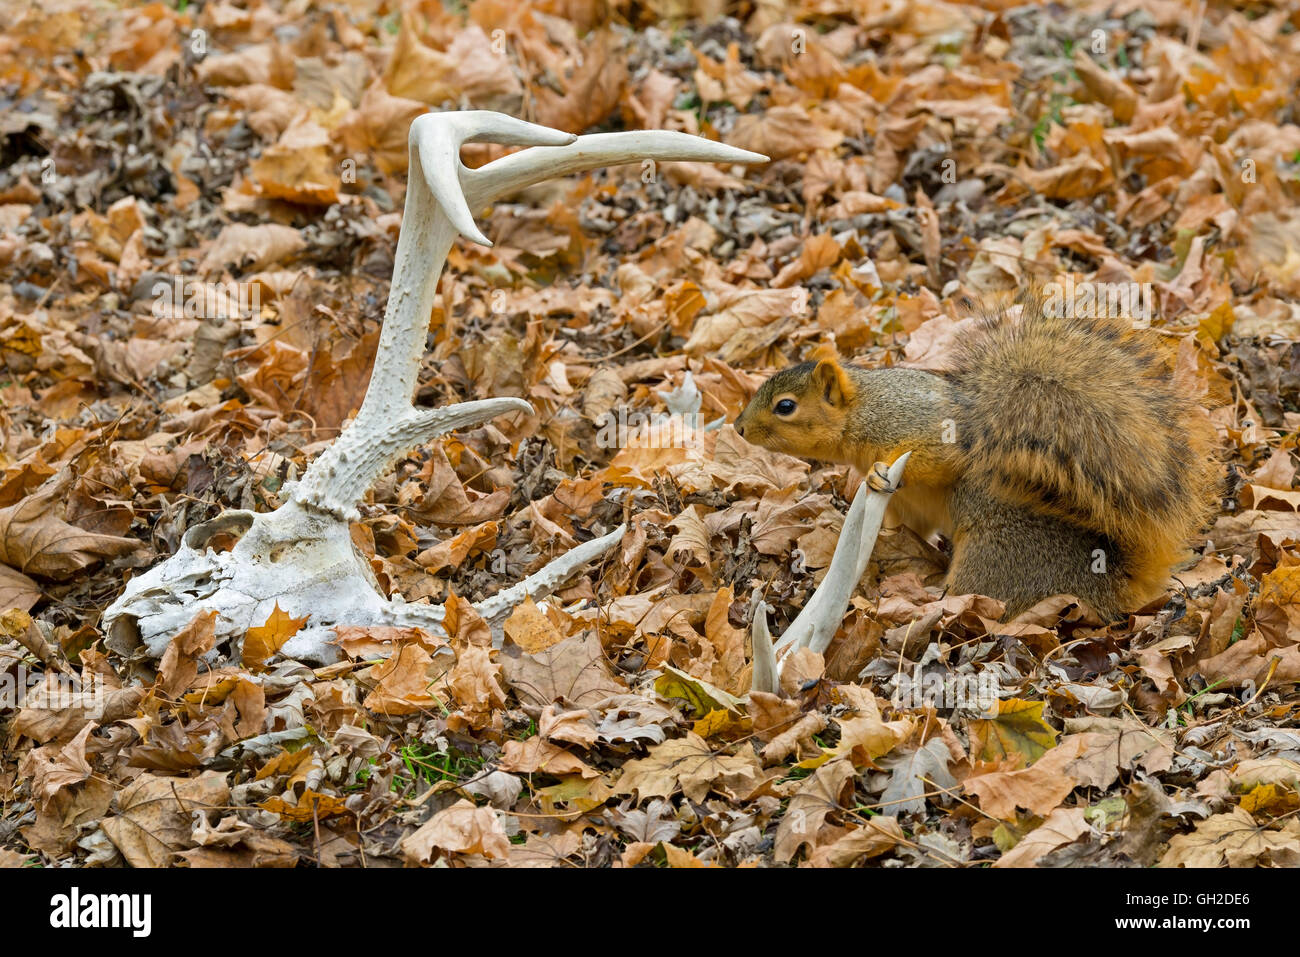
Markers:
point(1058, 455)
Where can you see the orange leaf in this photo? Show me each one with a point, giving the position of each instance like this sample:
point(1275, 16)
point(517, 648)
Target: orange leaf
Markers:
point(265, 640)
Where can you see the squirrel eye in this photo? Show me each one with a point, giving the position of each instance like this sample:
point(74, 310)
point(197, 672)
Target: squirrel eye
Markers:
point(784, 407)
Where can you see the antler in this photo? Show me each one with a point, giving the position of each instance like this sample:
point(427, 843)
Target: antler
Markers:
point(300, 556)
point(815, 626)
point(387, 426)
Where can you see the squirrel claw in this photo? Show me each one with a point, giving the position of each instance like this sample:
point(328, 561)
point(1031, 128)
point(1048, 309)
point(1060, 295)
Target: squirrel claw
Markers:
point(878, 478)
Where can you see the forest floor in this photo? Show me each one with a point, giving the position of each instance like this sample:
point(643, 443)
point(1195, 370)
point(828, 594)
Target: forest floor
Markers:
point(159, 160)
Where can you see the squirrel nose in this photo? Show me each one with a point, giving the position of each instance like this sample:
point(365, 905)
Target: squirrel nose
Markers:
point(740, 430)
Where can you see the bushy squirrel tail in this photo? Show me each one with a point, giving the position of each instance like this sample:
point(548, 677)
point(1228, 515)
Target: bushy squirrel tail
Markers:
point(1081, 417)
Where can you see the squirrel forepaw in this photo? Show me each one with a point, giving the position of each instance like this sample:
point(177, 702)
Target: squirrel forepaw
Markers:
point(878, 478)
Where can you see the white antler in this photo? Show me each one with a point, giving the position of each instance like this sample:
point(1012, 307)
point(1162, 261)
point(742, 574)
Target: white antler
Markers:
point(301, 556)
point(815, 626)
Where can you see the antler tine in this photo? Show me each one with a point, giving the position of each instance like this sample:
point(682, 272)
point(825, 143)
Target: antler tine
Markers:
point(815, 625)
point(765, 675)
point(810, 626)
point(514, 172)
point(436, 139)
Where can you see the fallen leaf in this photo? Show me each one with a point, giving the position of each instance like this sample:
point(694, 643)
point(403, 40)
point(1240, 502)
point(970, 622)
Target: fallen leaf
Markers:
point(263, 641)
point(459, 829)
point(689, 763)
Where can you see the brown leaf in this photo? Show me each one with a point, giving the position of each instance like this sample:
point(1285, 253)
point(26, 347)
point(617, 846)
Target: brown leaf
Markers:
point(530, 629)
point(468, 68)
point(689, 763)
point(299, 167)
point(180, 662)
point(378, 128)
point(17, 590)
point(334, 387)
point(474, 684)
point(826, 791)
point(571, 727)
point(875, 837)
point(249, 248)
point(464, 624)
point(592, 84)
point(797, 739)
point(262, 641)
point(1234, 839)
point(35, 540)
point(403, 683)
point(453, 552)
point(1063, 826)
point(537, 755)
point(781, 132)
point(573, 670)
point(155, 815)
point(1038, 789)
point(459, 829)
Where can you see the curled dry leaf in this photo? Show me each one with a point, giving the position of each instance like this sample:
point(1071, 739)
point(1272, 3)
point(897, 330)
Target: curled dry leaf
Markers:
point(35, 540)
point(459, 829)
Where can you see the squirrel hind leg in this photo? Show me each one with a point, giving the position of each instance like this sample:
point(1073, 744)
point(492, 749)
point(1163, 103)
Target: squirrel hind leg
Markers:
point(1019, 557)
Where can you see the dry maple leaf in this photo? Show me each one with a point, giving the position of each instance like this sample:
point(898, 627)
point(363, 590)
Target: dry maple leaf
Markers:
point(262, 641)
point(17, 590)
point(1235, 840)
point(866, 737)
point(1063, 826)
point(574, 669)
point(247, 248)
point(650, 825)
point(403, 683)
point(537, 755)
point(875, 837)
point(1018, 729)
point(469, 67)
point(474, 684)
point(180, 662)
point(53, 768)
point(1114, 745)
point(299, 167)
point(310, 805)
point(1039, 788)
point(914, 774)
point(781, 132)
point(689, 763)
point(545, 850)
point(570, 727)
point(530, 629)
point(155, 815)
point(591, 88)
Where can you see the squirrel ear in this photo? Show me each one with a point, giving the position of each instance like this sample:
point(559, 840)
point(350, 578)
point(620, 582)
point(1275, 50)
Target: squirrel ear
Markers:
point(830, 379)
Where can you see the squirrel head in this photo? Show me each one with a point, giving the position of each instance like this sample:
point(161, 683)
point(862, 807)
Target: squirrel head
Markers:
point(801, 411)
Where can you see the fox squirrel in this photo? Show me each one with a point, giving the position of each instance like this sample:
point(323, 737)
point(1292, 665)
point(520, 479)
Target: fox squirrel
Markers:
point(1057, 456)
